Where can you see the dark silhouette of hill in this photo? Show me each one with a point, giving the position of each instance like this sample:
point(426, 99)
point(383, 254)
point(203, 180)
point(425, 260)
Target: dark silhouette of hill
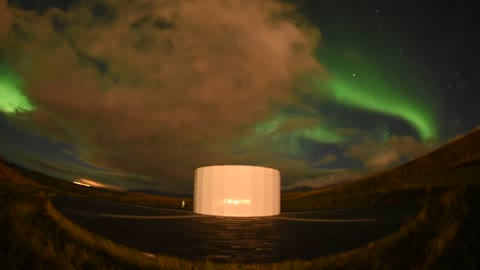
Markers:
point(161, 193)
point(461, 152)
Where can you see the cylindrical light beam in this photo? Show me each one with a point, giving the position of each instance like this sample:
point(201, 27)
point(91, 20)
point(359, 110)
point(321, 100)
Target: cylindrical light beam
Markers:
point(237, 191)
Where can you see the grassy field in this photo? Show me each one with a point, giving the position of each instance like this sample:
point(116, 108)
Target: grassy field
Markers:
point(445, 234)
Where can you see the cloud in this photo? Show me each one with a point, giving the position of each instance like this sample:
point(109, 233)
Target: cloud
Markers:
point(291, 170)
point(70, 171)
point(5, 19)
point(327, 178)
point(159, 87)
point(378, 155)
point(328, 159)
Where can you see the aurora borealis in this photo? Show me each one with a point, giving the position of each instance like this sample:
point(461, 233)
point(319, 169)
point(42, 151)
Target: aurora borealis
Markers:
point(137, 95)
point(378, 96)
point(365, 89)
point(13, 99)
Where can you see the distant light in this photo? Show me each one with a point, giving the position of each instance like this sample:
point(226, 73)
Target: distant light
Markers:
point(96, 184)
point(81, 184)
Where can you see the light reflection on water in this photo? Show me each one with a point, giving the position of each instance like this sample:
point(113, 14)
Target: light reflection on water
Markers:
point(257, 238)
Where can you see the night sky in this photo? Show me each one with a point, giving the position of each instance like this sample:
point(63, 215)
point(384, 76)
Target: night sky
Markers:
point(137, 95)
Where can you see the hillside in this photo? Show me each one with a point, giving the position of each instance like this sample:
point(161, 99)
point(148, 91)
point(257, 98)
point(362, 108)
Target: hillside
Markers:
point(60, 187)
point(456, 163)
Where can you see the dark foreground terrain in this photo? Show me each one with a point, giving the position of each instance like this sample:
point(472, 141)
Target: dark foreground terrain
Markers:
point(443, 234)
point(261, 239)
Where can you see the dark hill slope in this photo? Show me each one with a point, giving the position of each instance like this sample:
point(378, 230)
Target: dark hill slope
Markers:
point(456, 163)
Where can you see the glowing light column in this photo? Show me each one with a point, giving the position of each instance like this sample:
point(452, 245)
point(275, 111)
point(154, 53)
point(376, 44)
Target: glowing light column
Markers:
point(237, 190)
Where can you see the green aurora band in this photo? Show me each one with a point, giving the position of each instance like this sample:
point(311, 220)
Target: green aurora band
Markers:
point(375, 98)
point(362, 81)
point(13, 99)
point(361, 85)
point(319, 133)
point(358, 85)
point(289, 140)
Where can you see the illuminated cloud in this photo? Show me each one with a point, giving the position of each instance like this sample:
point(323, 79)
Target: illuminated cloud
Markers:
point(328, 159)
point(5, 19)
point(148, 86)
point(327, 178)
point(150, 90)
point(380, 155)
